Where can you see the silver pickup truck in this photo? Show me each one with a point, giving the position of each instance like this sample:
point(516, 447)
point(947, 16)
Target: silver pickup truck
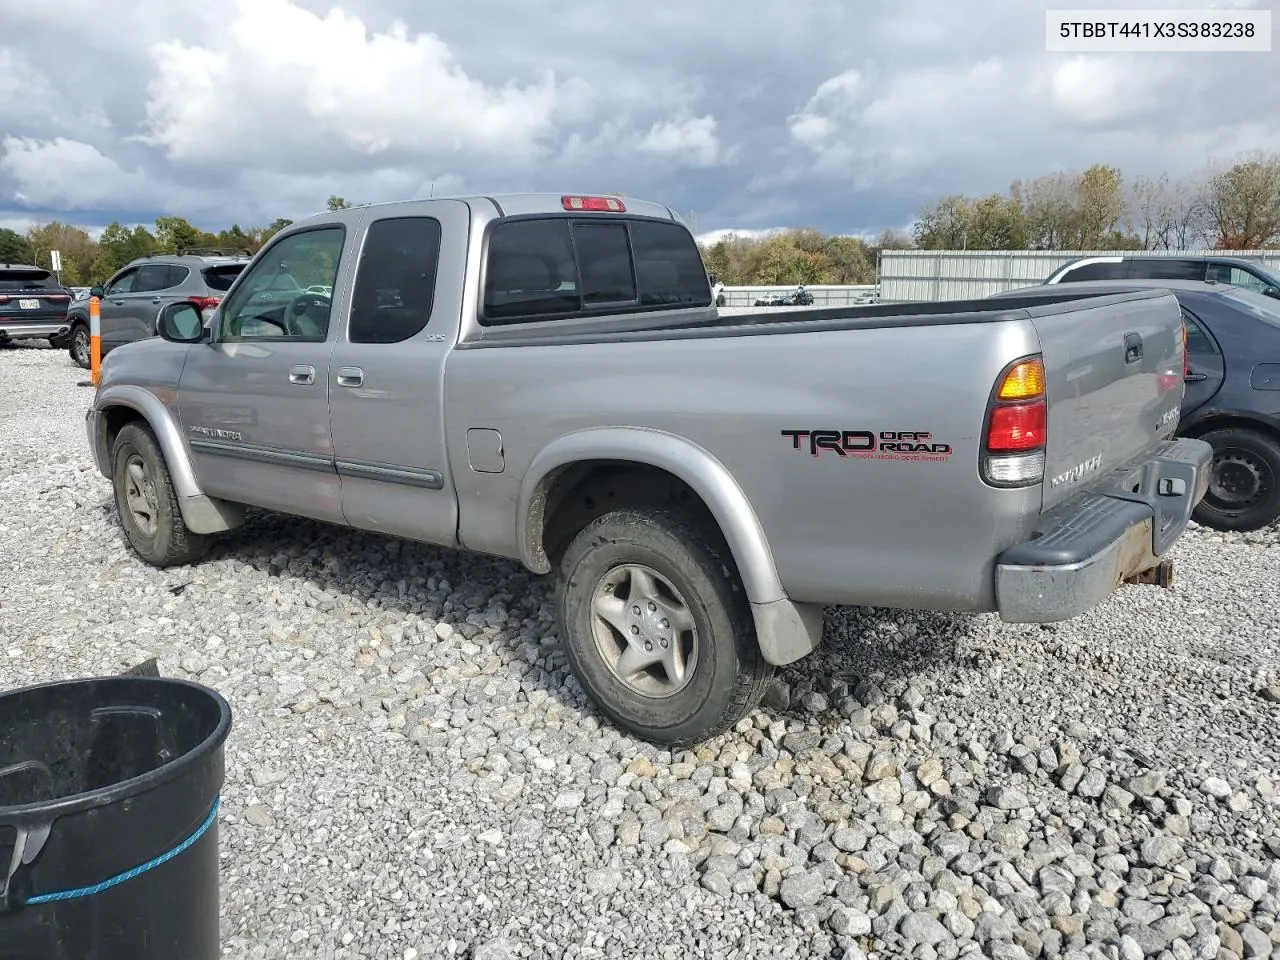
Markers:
point(547, 378)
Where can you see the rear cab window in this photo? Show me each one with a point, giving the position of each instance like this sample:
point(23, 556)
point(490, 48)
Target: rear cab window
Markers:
point(557, 267)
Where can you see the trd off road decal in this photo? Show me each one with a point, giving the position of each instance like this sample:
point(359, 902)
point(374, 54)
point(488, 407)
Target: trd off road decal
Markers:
point(870, 445)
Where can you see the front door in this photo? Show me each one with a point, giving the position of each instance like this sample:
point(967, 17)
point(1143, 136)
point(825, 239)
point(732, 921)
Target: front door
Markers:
point(387, 372)
point(254, 401)
point(115, 307)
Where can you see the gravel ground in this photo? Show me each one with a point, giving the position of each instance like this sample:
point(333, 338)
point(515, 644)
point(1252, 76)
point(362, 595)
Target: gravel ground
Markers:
point(412, 774)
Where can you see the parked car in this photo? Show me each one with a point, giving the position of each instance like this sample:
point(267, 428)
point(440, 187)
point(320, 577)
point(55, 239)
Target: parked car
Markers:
point(1237, 271)
point(717, 290)
point(701, 488)
point(131, 299)
point(1232, 395)
point(33, 305)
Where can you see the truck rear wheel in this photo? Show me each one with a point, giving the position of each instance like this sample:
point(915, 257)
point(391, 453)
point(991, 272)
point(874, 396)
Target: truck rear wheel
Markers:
point(147, 503)
point(1244, 481)
point(656, 627)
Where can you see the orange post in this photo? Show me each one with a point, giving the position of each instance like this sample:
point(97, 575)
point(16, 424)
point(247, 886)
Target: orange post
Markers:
point(95, 340)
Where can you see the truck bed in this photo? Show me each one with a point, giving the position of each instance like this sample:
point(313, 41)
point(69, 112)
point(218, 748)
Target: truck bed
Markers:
point(759, 322)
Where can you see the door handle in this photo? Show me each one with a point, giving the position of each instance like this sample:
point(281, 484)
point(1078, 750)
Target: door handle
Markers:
point(1132, 348)
point(350, 376)
point(156, 300)
point(302, 373)
point(1192, 377)
point(117, 302)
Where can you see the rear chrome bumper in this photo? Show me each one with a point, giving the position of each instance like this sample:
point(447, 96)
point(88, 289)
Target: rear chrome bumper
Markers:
point(1083, 549)
point(33, 331)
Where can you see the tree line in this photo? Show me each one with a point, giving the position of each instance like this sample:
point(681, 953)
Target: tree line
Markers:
point(86, 261)
point(1226, 206)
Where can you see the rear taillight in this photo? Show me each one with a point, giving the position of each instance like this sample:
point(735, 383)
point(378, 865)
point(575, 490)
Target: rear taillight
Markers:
point(4, 299)
point(1186, 357)
point(206, 303)
point(57, 296)
point(1017, 426)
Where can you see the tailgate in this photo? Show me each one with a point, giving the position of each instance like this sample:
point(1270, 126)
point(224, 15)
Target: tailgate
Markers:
point(1113, 366)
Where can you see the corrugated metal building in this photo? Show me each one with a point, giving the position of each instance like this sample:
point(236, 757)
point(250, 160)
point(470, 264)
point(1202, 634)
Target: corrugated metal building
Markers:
point(929, 275)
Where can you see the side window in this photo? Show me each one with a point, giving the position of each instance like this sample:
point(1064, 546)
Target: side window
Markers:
point(1243, 278)
point(1197, 340)
point(1097, 271)
point(530, 271)
point(121, 284)
point(604, 257)
point(669, 269)
point(1166, 269)
point(271, 302)
point(177, 274)
point(396, 280)
point(151, 276)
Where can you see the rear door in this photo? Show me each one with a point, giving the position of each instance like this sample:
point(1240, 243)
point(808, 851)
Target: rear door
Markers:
point(254, 401)
point(1205, 368)
point(1114, 370)
point(387, 374)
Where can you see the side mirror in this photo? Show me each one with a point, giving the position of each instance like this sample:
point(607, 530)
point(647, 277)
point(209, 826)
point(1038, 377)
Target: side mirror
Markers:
point(181, 323)
point(1272, 292)
point(95, 291)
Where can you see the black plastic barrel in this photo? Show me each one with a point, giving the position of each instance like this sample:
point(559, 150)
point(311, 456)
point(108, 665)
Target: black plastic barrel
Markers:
point(109, 793)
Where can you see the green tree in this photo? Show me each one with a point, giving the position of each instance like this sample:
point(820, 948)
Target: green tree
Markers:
point(175, 234)
point(1243, 202)
point(13, 247)
point(119, 245)
point(75, 246)
point(337, 203)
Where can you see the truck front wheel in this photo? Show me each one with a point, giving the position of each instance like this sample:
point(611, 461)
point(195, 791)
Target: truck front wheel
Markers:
point(147, 502)
point(656, 627)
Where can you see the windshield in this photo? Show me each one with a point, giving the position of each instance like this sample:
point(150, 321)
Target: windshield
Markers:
point(1257, 305)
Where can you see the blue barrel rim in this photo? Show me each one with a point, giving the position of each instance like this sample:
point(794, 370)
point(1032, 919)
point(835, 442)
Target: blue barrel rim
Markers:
point(49, 810)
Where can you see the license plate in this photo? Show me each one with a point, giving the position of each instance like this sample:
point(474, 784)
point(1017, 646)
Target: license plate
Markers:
point(29, 304)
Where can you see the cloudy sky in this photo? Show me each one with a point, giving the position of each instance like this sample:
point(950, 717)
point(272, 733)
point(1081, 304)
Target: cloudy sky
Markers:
point(829, 113)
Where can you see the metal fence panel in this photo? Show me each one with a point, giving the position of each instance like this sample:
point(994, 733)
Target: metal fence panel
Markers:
point(930, 275)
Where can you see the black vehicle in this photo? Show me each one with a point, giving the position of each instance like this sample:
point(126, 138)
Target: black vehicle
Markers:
point(1236, 271)
point(33, 305)
point(1231, 395)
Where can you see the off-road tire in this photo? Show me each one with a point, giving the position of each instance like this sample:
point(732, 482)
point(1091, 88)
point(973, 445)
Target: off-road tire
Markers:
point(79, 346)
point(729, 676)
point(171, 544)
point(1262, 454)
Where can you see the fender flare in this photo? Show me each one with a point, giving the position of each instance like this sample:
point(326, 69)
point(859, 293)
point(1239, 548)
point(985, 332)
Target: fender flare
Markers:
point(200, 512)
point(162, 425)
point(786, 631)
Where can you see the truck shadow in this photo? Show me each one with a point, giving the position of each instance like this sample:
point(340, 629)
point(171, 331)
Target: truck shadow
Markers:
point(393, 580)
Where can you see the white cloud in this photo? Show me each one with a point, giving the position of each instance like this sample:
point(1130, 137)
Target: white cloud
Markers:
point(69, 174)
point(692, 142)
point(335, 89)
point(822, 113)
